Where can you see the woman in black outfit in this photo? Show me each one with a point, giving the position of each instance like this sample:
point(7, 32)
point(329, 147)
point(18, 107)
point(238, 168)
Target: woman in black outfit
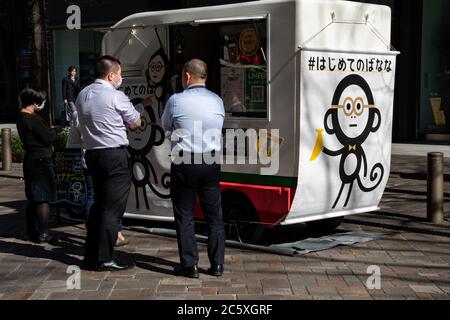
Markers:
point(37, 139)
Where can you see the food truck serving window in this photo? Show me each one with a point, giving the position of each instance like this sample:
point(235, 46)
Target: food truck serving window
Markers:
point(235, 52)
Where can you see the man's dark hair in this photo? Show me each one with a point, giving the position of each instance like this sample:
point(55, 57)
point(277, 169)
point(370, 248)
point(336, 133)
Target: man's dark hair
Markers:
point(197, 68)
point(30, 96)
point(106, 65)
point(72, 68)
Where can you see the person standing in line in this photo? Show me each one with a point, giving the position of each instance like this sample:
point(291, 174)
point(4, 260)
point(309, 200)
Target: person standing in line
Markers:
point(183, 111)
point(104, 112)
point(71, 89)
point(40, 188)
point(74, 141)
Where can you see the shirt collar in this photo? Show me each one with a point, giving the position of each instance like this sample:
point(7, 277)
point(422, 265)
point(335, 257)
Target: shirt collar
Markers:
point(104, 82)
point(196, 85)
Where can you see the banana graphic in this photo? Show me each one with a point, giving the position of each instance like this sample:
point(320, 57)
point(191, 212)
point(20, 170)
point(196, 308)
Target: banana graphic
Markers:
point(319, 145)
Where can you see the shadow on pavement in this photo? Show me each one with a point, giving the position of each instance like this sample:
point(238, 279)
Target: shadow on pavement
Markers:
point(399, 222)
point(412, 192)
point(62, 252)
point(154, 264)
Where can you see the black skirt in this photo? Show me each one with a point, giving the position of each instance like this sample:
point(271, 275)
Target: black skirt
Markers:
point(40, 185)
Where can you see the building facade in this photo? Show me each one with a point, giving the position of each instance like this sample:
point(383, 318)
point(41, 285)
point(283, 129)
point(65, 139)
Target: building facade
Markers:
point(420, 31)
point(15, 55)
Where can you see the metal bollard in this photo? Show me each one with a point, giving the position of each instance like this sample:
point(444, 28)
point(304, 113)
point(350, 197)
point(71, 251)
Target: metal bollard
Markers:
point(6, 150)
point(435, 207)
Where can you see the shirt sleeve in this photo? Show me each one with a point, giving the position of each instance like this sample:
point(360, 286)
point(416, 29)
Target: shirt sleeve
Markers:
point(167, 117)
point(126, 109)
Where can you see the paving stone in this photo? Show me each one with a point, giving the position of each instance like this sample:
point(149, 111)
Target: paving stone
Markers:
point(180, 281)
point(297, 297)
point(63, 296)
point(275, 283)
point(277, 291)
point(171, 296)
point(328, 291)
point(300, 290)
point(425, 296)
point(440, 296)
point(425, 289)
point(216, 283)
point(400, 291)
point(171, 288)
point(127, 294)
point(94, 295)
point(336, 282)
point(255, 291)
point(208, 291)
point(232, 291)
point(353, 291)
point(221, 297)
point(445, 289)
point(250, 297)
point(327, 297)
point(413, 265)
point(135, 284)
point(17, 296)
point(39, 295)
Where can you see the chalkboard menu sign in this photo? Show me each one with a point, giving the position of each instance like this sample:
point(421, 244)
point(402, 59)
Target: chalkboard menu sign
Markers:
point(70, 180)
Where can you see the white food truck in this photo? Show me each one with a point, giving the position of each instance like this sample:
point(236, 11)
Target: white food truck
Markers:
point(313, 78)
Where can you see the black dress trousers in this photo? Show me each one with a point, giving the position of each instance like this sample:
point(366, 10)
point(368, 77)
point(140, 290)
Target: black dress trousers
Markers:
point(188, 181)
point(111, 175)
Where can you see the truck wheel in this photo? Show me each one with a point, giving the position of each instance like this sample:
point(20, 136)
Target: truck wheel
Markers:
point(241, 219)
point(325, 226)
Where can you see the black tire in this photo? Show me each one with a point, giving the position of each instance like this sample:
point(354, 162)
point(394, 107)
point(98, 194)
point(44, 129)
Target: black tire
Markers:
point(325, 226)
point(241, 220)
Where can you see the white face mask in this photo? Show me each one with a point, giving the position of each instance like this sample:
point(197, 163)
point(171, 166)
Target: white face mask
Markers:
point(41, 106)
point(118, 84)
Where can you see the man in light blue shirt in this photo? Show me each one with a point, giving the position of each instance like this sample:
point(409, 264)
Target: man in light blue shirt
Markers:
point(190, 115)
point(195, 117)
point(103, 114)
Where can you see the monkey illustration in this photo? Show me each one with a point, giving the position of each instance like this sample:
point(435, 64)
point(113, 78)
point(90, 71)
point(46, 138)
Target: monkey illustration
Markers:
point(158, 76)
point(352, 117)
point(142, 140)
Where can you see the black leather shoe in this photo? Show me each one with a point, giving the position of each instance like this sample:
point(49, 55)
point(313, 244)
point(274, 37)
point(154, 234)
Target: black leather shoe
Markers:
point(216, 270)
point(114, 265)
point(191, 272)
point(47, 238)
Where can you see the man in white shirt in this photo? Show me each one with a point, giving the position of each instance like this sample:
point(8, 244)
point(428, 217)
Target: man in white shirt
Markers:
point(104, 113)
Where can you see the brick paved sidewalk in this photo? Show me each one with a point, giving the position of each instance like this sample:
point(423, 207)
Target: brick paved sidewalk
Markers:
point(414, 257)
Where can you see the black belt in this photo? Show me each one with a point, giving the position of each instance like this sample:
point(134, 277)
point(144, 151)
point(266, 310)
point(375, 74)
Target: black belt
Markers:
point(211, 153)
point(107, 149)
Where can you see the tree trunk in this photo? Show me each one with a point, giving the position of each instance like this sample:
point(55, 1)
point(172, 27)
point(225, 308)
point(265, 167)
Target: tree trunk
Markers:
point(41, 71)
